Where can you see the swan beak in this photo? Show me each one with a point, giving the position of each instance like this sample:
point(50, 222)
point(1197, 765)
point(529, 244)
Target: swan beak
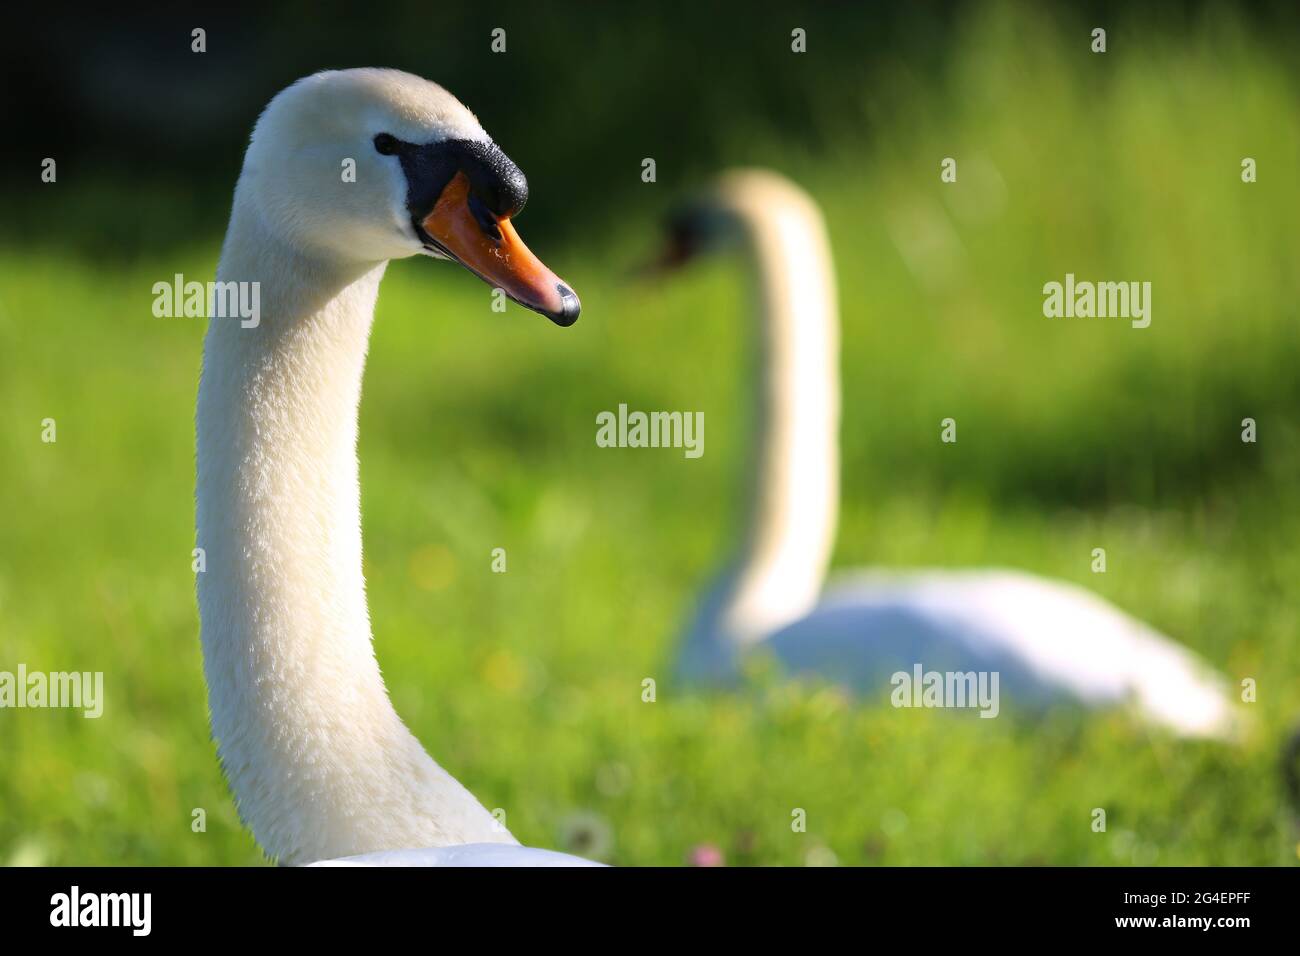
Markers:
point(680, 247)
point(464, 229)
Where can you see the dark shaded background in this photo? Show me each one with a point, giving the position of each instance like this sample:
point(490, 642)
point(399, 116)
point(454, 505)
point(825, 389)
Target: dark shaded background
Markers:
point(119, 96)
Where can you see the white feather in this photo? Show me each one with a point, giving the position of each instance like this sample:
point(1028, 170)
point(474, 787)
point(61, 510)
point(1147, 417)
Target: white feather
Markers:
point(470, 854)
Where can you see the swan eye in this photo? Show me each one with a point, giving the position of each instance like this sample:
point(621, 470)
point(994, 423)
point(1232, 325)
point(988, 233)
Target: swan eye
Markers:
point(385, 144)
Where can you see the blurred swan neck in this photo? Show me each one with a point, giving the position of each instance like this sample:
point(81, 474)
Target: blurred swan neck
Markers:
point(795, 493)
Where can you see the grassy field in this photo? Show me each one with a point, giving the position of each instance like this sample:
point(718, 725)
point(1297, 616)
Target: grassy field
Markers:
point(478, 432)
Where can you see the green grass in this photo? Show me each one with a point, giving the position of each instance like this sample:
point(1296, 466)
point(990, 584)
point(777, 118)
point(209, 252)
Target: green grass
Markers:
point(478, 432)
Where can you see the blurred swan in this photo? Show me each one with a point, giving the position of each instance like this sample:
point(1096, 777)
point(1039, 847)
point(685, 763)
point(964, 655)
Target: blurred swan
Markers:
point(1048, 641)
point(319, 761)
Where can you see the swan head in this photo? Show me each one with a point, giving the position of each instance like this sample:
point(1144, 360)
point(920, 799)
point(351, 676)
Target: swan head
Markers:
point(376, 164)
point(727, 214)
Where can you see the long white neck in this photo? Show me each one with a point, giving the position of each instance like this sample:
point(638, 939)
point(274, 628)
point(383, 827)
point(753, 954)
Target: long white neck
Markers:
point(320, 763)
point(783, 558)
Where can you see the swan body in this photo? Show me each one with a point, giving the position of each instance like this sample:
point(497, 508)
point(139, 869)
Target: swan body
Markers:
point(471, 854)
point(320, 763)
point(1049, 642)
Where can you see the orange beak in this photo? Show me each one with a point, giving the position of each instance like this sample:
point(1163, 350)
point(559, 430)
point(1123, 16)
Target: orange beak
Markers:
point(488, 246)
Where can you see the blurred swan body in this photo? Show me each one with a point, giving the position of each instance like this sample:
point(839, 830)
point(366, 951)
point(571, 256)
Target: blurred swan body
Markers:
point(319, 761)
point(1050, 642)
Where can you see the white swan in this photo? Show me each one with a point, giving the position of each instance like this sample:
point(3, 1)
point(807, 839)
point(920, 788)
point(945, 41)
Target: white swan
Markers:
point(320, 764)
point(1047, 640)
